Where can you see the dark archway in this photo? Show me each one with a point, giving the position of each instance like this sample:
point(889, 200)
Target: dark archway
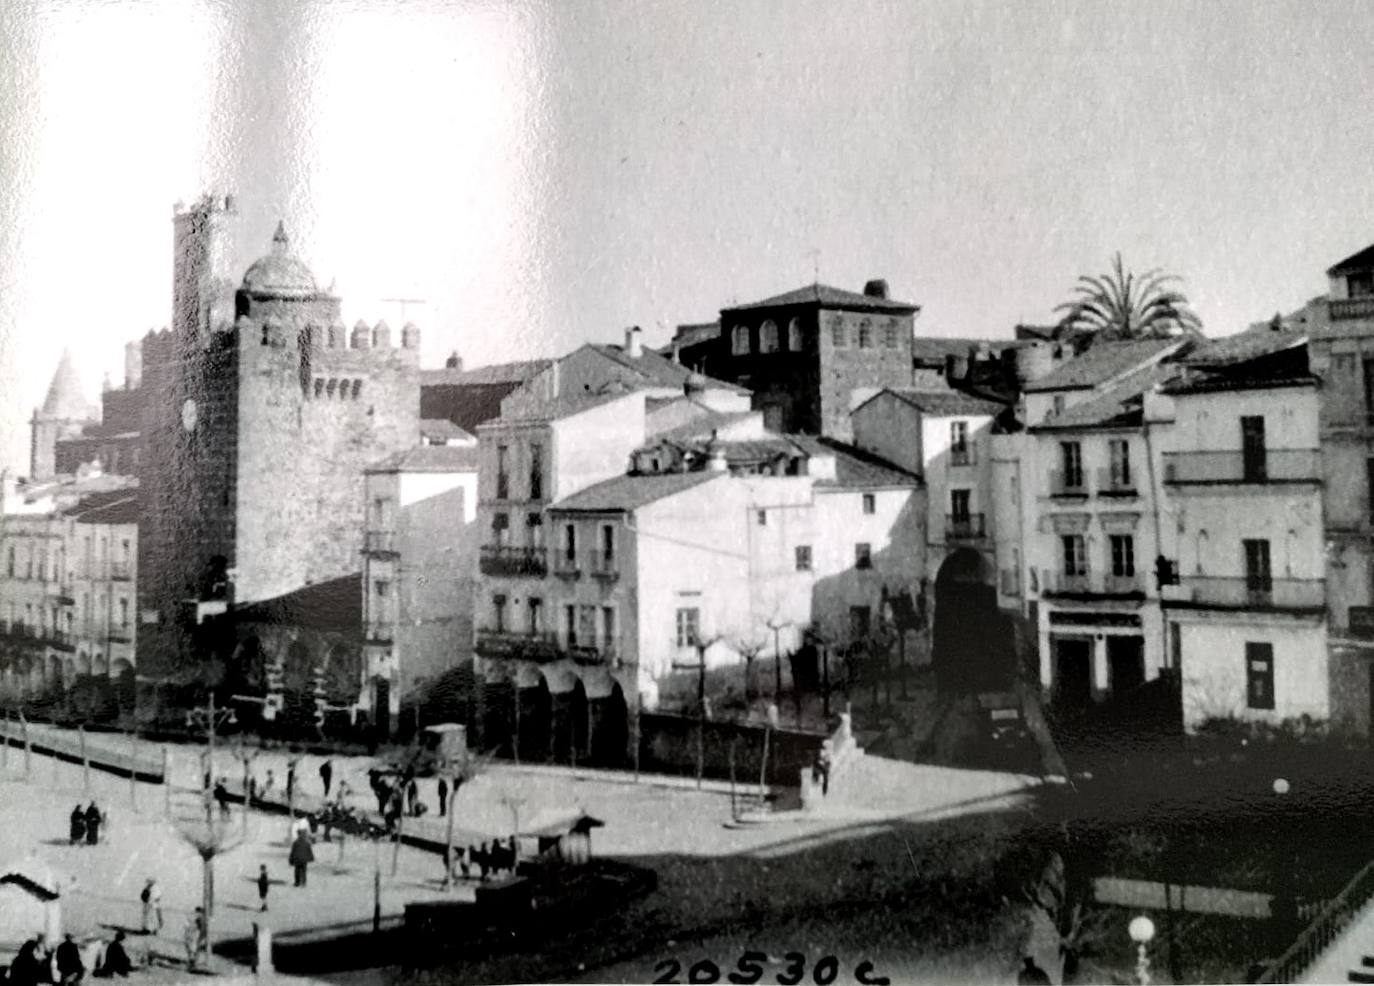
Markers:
point(298, 690)
point(610, 740)
point(972, 642)
point(578, 726)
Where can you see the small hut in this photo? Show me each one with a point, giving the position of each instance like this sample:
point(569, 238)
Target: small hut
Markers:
point(30, 902)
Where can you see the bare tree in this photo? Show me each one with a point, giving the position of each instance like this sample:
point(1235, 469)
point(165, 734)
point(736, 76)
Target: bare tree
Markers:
point(210, 837)
point(748, 647)
point(458, 771)
point(245, 756)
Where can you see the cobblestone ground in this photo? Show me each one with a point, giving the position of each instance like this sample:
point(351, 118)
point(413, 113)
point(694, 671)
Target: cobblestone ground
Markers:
point(862, 886)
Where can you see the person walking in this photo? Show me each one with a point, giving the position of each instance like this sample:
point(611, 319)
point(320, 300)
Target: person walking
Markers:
point(93, 820)
point(302, 855)
point(412, 795)
point(327, 777)
point(267, 786)
point(194, 937)
point(443, 797)
point(70, 968)
point(222, 796)
point(252, 793)
point(152, 907)
point(263, 884)
point(116, 958)
point(77, 834)
point(290, 782)
point(27, 967)
point(483, 861)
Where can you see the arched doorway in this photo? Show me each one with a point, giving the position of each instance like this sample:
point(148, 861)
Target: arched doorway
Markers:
point(610, 741)
point(298, 688)
point(578, 725)
point(972, 643)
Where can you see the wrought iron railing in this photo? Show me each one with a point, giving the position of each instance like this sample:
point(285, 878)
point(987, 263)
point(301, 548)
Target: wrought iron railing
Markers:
point(1348, 308)
point(964, 527)
point(379, 542)
point(1255, 592)
point(1330, 921)
point(500, 559)
point(518, 645)
point(1234, 466)
point(1115, 482)
point(1070, 483)
point(1091, 584)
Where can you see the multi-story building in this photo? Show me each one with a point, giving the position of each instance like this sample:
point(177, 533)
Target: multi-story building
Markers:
point(419, 574)
point(69, 549)
point(598, 584)
point(809, 355)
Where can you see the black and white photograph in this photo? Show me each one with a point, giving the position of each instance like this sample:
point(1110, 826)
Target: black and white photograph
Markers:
point(686, 491)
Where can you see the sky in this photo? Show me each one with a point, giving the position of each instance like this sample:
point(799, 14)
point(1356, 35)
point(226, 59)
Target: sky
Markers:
point(544, 174)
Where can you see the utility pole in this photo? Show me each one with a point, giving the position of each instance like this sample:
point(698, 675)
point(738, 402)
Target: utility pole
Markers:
point(403, 302)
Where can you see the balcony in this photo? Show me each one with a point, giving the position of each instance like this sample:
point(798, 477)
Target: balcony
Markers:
point(1307, 596)
point(518, 646)
point(500, 559)
point(964, 527)
point(604, 566)
point(380, 634)
point(1070, 484)
point(1275, 466)
point(1092, 585)
point(121, 635)
point(966, 456)
point(64, 595)
point(567, 565)
point(600, 650)
point(381, 544)
point(121, 571)
point(1351, 308)
point(1112, 482)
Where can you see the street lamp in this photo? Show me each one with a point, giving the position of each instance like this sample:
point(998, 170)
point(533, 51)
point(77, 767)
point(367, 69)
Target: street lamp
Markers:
point(1142, 932)
point(1285, 906)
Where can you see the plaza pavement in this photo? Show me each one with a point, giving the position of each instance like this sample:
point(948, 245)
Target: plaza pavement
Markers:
point(785, 875)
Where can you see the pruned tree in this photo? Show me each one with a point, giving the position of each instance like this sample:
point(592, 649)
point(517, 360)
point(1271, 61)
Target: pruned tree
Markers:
point(211, 838)
point(749, 647)
point(458, 771)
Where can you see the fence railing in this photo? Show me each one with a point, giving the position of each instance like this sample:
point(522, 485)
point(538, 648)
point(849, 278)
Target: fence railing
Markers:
point(500, 559)
point(1249, 592)
point(513, 644)
point(1091, 584)
point(1235, 466)
point(1347, 308)
point(1323, 929)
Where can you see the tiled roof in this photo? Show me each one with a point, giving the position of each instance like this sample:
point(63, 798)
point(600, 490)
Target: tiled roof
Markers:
point(107, 507)
point(658, 369)
point(552, 409)
point(430, 458)
point(1243, 347)
point(855, 468)
point(1122, 405)
point(948, 402)
point(690, 334)
point(333, 605)
point(445, 429)
point(828, 297)
point(932, 350)
point(1103, 362)
point(700, 428)
point(632, 492)
point(1364, 260)
point(496, 373)
point(1280, 366)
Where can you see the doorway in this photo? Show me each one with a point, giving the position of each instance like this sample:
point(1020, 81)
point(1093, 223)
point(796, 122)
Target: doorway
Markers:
point(1073, 672)
point(1125, 664)
point(381, 708)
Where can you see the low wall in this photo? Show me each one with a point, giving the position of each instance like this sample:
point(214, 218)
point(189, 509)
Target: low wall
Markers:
point(100, 750)
point(668, 744)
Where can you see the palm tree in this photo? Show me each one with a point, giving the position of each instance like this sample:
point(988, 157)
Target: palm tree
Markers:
point(1119, 305)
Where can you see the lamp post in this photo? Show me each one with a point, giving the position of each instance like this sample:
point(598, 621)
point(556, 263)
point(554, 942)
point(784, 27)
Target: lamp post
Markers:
point(1285, 906)
point(1142, 932)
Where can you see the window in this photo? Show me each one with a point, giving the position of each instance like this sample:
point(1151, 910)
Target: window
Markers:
point(739, 340)
point(607, 627)
point(762, 518)
point(1058, 403)
point(1359, 284)
point(500, 525)
point(1369, 480)
point(768, 337)
point(1369, 384)
point(860, 622)
point(794, 335)
point(570, 625)
point(43, 566)
point(865, 335)
point(863, 555)
point(28, 567)
point(570, 541)
point(803, 556)
point(1252, 448)
point(1174, 659)
point(839, 334)
point(498, 613)
point(958, 443)
point(959, 503)
point(1071, 458)
point(536, 614)
point(870, 503)
point(1258, 577)
point(1075, 555)
point(502, 472)
point(891, 334)
point(535, 528)
point(1259, 675)
point(536, 471)
point(1123, 555)
point(124, 613)
point(688, 622)
point(381, 513)
point(608, 542)
point(1120, 451)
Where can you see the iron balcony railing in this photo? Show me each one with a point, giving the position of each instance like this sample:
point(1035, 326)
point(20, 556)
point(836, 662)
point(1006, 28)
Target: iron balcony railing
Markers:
point(1091, 584)
point(1072, 483)
point(1234, 466)
point(964, 527)
point(501, 559)
point(567, 564)
point(1348, 308)
point(1115, 482)
point(1257, 592)
point(121, 570)
point(598, 650)
point(518, 645)
point(379, 542)
point(966, 456)
point(605, 566)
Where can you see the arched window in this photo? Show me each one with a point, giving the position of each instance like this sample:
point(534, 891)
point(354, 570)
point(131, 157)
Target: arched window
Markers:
point(794, 335)
point(891, 337)
point(768, 337)
point(865, 334)
point(319, 386)
point(330, 387)
point(357, 388)
point(740, 340)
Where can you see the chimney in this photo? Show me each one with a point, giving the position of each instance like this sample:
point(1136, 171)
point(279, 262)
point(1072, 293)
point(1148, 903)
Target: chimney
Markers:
point(677, 351)
point(876, 288)
point(634, 347)
point(454, 361)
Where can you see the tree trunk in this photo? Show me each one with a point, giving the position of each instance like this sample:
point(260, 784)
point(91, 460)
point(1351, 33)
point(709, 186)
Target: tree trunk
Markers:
point(448, 834)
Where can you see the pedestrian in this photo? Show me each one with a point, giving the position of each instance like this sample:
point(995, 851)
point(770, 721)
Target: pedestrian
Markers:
point(70, 968)
point(152, 907)
point(301, 857)
point(267, 786)
point(327, 777)
point(252, 791)
point(290, 782)
point(412, 795)
point(263, 884)
point(465, 861)
point(78, 826)
point(194, 938)
point(93, 956)
point(483, 861)
point(93, 820)
point(116, 958)
point(443, 797)
point(27, 967)
point(344, 791)
point(222, 796)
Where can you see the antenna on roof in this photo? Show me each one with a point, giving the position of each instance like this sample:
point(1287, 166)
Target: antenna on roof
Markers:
point(403, 302)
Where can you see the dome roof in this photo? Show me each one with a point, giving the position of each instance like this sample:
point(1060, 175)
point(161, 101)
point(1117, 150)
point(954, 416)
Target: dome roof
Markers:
point(280, 273)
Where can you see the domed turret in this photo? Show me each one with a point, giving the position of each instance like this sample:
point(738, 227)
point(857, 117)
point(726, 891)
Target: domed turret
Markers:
point(694, 384)
point(280, 274)
point(410, 336)
point(362, 336)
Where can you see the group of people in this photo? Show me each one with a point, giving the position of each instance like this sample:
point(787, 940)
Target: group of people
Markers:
point(396, 797)
point(85, 825)
point(488, 860)
point(68, 963)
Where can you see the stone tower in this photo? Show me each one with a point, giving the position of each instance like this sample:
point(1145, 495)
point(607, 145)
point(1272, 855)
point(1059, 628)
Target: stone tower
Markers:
point(202, 267)
point(254, 478)
point(65, 412)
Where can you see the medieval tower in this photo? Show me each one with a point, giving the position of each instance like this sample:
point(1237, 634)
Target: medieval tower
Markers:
point(268, 412)
point(65, 412)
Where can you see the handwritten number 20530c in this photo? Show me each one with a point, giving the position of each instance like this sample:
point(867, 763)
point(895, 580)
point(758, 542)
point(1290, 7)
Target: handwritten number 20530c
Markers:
point(749, 970)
